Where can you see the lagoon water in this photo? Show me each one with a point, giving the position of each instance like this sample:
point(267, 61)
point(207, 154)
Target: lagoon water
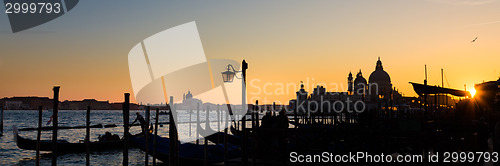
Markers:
point(10, 154)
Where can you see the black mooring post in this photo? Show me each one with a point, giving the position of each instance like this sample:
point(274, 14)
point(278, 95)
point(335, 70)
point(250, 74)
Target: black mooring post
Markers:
point(126, 117)
point(54, 124)
point(198, 124)
point(225, 137)
point(38, 135)
point(190, 122)
point(205, 140)
point(155, 135)
point(87, 137)
point(252, 115)
point(244, 67)
point(244, 148)
point(256, 111)
point(218, 117)
point(173, 138)
point(1, 121)
point(255, 126)
point(295, 118)
point(146, 160)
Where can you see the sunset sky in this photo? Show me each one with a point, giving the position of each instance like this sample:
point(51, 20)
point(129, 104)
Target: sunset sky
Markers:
point(85, 51)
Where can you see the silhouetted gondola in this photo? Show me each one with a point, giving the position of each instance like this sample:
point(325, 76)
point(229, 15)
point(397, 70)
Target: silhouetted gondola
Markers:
point(189, 153)
point(64, 146)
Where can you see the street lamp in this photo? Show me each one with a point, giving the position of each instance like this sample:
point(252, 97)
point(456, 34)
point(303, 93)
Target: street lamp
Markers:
point(228, 76)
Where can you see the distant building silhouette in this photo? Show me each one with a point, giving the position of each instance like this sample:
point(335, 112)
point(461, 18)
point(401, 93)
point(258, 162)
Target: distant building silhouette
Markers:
point(26, 103)
point(378, 92)
point(32, 103)
point(380, 83)
point(80, 105)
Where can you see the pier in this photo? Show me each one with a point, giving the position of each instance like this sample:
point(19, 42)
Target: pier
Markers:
point(268, 134)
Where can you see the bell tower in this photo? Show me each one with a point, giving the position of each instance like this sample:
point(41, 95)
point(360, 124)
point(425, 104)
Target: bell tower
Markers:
point(350, 84)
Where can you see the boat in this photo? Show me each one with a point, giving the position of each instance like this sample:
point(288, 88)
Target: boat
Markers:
point(422, 89)
point(236, 132)
point(62, 127)
point(218, 137)
point(188, 153)
point(64, 146)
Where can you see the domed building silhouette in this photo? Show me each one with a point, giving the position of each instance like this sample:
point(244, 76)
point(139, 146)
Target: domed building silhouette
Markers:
point(376, 93)
point(380, 82)
point(360, 84)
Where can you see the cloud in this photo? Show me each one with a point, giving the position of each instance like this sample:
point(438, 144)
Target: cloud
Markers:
point(464, 2)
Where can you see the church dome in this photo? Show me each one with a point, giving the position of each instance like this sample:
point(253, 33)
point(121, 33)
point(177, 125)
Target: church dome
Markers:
point(359, 78)
point(189, 95)
point(379, 75)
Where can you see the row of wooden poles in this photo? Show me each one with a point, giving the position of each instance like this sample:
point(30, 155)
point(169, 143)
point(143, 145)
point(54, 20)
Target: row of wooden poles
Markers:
point(173, 158)
point(55, 128)
point(126, 111)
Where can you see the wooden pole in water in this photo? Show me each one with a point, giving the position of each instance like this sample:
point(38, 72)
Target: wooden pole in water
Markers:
point(252, 113)
point(295, 118)
point(255, 112)
point(257, 124)
point(244, 147)
point(225, 137)
point(198, 124)
point(207, 125)
point(87, 137)
point(38, 135)
point(173, 139)
point(189, 120)
point(1, 121)
point(218, 117)
point(155, 135)
point(126, 117)
point(172, 131)
point(146, 161)
point(54, 124)
point(244, 67)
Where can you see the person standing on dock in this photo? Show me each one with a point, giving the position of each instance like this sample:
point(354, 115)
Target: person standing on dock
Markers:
point(282, 120)
point(141, 121)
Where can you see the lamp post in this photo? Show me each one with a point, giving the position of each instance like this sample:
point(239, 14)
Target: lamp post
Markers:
point(228, 76)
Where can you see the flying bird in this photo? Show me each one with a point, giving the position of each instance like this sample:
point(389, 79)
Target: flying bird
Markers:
point(474, 40)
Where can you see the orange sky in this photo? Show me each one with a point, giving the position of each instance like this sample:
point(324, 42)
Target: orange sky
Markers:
point(85, 51)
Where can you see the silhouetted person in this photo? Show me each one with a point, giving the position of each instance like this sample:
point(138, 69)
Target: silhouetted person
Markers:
point(266, 136)
point(267, 120)
point(282, 120)
point(141, 121)
point(282, 124)
point(106, 137)
point(115, 137)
